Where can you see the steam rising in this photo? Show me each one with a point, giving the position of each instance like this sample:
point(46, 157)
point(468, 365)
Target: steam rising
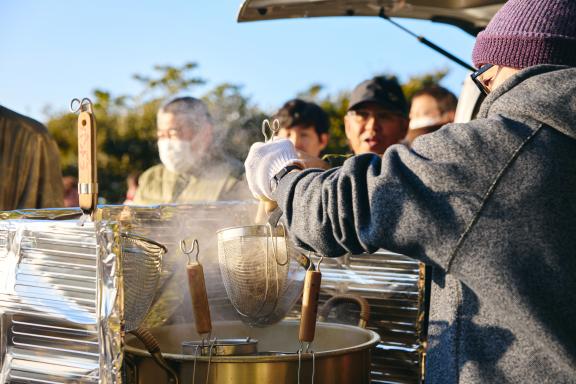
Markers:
point(235, 126)
point(168, 224)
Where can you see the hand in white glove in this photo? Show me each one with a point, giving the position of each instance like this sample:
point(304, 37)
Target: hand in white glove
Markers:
point(264, 161)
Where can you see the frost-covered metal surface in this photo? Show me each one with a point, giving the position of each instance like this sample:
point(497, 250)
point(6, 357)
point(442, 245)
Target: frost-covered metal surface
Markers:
point(60, 302)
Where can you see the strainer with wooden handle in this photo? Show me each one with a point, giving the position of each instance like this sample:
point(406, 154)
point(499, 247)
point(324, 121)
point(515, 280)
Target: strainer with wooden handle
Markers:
point(263, 273)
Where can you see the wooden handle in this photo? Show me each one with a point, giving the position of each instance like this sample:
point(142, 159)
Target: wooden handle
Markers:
point(309, 306)
point(87, 176)
point(197, 287)
point(264, 208)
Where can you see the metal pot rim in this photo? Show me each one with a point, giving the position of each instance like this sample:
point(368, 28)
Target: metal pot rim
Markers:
point(374, 339)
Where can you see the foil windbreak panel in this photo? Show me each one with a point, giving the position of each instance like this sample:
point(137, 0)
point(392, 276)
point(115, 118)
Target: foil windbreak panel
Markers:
point(59, 302)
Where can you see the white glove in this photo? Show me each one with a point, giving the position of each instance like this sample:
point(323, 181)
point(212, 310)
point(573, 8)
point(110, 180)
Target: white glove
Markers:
point(264, 161)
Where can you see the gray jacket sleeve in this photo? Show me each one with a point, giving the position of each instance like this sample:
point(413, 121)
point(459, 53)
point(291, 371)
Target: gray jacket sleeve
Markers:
point(415, 201)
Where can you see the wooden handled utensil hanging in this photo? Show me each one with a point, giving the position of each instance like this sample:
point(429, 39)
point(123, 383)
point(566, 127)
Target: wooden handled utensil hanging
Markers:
point(197, 287)
point(310, 304)
point(87, 174)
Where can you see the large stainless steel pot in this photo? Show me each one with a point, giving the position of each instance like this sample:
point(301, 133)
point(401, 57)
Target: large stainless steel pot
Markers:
point(341, 355)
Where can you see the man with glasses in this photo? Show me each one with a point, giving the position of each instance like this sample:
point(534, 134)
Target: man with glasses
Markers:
point(193, 166)
point(377, 118)
point(377, 115)
point(490, 204)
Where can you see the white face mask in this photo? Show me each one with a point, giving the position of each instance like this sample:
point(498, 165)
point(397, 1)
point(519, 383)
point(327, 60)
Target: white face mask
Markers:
point(423, 122)
point(178, 155)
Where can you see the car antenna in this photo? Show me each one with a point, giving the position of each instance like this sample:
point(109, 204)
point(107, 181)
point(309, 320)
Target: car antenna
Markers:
point(428, 43)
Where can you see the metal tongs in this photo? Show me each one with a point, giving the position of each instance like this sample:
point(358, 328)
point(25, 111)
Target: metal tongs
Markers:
point(270, 130)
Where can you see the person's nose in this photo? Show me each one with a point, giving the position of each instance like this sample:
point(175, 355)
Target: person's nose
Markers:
point(372, 124)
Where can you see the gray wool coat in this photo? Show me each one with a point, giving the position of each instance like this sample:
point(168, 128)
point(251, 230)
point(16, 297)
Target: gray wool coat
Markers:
point(491, 204)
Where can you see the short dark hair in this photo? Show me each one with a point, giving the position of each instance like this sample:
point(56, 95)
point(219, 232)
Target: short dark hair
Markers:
point(305, 113)
point(445, 99)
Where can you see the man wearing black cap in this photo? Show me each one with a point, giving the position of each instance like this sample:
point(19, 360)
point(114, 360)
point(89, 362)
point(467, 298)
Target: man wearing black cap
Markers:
point(377, 115)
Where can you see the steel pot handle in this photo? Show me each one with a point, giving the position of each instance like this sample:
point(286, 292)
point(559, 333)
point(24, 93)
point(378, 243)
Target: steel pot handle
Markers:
point(347, 298)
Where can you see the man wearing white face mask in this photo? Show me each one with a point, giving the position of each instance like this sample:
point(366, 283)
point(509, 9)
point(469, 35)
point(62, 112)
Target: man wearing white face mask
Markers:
point(431, 108)
point(192, 168)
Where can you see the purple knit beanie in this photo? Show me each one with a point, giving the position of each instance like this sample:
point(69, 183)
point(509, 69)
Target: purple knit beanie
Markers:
point(529, 32)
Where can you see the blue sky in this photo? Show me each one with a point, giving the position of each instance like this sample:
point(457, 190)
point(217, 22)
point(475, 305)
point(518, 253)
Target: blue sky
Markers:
point(52, 51)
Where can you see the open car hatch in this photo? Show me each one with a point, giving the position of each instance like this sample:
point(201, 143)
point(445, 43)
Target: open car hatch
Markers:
point(470, 15)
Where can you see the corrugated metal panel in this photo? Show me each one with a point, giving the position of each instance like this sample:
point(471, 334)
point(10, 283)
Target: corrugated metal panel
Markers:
point(49, 326)
point(393, 285)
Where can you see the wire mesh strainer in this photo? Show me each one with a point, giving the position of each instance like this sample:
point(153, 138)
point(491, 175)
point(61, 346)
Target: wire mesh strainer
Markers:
point(142, 264)
point(262, 272)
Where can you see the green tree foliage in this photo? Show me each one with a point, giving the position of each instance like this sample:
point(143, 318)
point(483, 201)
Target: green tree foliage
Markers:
point(417, 82)
point(336, 108)
point(170, 80)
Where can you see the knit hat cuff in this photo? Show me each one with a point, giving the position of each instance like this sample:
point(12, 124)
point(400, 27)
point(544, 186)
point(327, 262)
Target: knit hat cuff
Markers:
point(521, 51)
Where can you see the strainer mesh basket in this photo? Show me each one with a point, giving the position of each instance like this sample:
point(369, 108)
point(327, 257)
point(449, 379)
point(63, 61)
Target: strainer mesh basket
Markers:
point(142, 264)
point(261, 271)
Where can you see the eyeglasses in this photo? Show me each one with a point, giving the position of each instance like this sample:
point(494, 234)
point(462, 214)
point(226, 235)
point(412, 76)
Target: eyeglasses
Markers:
point(363, 115)
point(484, 75)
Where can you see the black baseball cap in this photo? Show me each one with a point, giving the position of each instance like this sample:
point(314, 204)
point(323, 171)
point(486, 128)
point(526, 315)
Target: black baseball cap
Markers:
point(383, 90)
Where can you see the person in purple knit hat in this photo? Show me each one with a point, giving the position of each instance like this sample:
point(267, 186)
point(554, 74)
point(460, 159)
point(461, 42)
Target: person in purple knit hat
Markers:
point(490, 204)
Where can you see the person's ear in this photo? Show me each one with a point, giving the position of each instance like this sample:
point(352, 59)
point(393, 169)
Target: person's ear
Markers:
point(206, 135)
point(449, 116)
point(347, 127)
point(324, 137)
